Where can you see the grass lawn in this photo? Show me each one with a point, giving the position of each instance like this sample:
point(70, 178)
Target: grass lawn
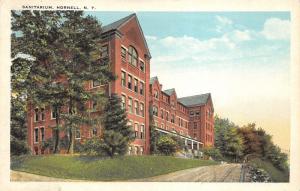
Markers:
point(99, 169)
point(276, 174)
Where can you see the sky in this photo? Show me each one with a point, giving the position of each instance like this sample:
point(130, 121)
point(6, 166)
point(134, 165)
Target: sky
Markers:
point(241, 58)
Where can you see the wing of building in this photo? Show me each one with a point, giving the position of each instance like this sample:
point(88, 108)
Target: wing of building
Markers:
point(124, 44)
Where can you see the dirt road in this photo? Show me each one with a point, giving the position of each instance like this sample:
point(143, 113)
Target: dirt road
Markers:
point(215, 173)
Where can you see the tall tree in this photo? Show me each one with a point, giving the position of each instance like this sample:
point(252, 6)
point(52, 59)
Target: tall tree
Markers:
point(65, 49)
point(116, 134)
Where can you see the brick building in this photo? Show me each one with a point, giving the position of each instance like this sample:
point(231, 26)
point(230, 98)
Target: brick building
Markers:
point(190, 118)
point(124, 44)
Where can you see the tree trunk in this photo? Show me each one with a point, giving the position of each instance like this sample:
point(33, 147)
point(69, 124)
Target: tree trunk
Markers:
point(71, 142)
point(56, 143)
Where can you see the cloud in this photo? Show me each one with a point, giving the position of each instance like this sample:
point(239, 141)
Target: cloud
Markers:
point(149, 37)
point(223, 23)
point(224, 20)
point(276, 29)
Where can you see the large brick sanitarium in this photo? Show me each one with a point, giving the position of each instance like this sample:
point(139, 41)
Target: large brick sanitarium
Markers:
point(124, 44)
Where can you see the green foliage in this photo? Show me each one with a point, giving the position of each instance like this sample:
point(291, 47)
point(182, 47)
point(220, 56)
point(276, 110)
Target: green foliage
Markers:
point(18, 145)
point(276, 174)
point(154, 136)
point(60, 54)
point(93, 146)
point(214, 153)
point(166, 145)
point(117, 135)
point(245, 142)
point(98, 169)
point(227, 139)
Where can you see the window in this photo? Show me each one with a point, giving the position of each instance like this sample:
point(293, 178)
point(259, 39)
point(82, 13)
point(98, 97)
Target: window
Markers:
point(94, 132)
point(132, 56)
point(42, 133)
point(42, 114)
point(142, 66)
point(141, 88)
point(172, 118)
point(123, 54)
point(155, 111)
point(135, 85)
point(162, 113)
point(36, 114)
point(191, 113)
point(53, 113)
point(123, 79)
point(36, 135)
point(197, 112)
point(142, 109)
point(96, 83)
point(156, 94)
point(162, 126)
point(94, 105)
point(195, 125)
point(104, 51)
point(167, 116)
point(136, 107)
point(129, 82)
point(142, 133)
point(77, 134)
point(123, 104)
point(130, 105)
point(136, 130)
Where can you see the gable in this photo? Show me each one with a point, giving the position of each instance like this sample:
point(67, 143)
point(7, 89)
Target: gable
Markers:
point(134, 33)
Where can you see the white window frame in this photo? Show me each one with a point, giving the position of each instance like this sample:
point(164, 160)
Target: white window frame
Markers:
point(42, 127)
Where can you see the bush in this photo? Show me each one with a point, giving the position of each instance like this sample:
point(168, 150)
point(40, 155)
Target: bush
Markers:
point(92, 146)
point(166, 145)
point(214, 153)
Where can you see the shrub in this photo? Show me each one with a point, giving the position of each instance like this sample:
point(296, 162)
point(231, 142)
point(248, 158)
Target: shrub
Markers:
point(166, 145)
point(214, 153)
point(93, 146)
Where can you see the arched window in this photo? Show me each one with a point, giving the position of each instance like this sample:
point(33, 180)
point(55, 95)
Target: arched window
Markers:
point(132, 56)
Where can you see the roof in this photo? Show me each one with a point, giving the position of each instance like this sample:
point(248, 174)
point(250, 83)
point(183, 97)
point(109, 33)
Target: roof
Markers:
point(194, 100)
point(117, 24)
point(153, 79)
point(169, 91)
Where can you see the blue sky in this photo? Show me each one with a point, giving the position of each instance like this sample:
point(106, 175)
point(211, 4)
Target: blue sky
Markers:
point(241, 58)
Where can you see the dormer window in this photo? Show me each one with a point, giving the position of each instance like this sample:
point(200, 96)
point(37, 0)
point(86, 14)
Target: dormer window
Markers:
point(132, 56)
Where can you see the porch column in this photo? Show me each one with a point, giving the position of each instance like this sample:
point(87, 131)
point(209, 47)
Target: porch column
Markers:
point(185, 142)
point(198, 146)
point(192, 145)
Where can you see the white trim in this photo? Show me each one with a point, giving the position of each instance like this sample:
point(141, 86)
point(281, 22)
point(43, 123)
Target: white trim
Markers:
point(34, 120)
point(41, 132)
point(141, 60)
point(35, 135)
point(123, 46)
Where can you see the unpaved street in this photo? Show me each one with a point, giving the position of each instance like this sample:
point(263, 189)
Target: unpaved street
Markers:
point(215, 173)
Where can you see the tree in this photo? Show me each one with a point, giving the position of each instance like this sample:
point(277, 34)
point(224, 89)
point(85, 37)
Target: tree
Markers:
point(227, 139)
point(65, 49)
point(116, 133)
point(154, 136)
point(251, 139)
point(213, 153)
point(166, 145)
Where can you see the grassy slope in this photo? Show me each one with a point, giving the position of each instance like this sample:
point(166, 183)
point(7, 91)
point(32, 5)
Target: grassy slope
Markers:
point(276, 175)
point(94, 168)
